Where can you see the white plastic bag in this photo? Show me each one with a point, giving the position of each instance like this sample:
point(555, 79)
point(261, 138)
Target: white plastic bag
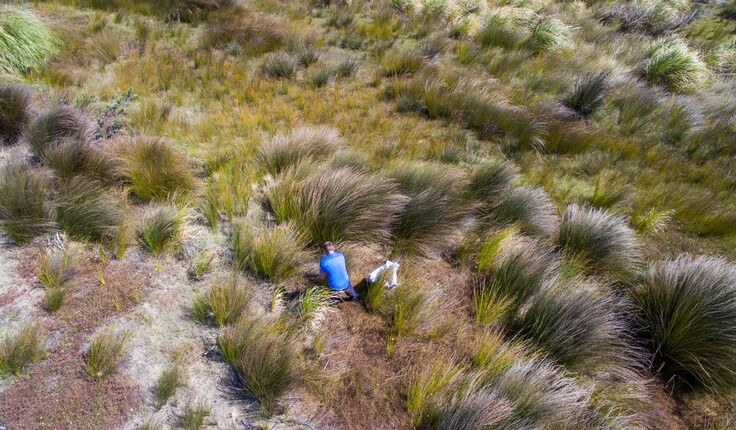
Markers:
point(393, 277)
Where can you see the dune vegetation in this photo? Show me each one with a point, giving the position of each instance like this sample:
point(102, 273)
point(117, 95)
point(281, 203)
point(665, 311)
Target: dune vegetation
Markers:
point(556, 179)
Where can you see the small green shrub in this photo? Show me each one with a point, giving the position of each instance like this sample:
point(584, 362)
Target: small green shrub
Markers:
point(338, 204)
point(56, 271)
point(600, 241)
point(280, 65)
point(587, 96)
point(265, 358)
point(531, 209)
point(672, 64)
point(62, 123)
point(25, 210)
point(302, 144)
point(224, 304)
point(85, 211)
point(162, 229)
point(549, 33)
point(167, 383)
point(686, 313)
point(153, 170)
point(25, 42)
point(105, 354)
point(201, 265)
point(306, 54)
point(20, 348)
point(15, 112)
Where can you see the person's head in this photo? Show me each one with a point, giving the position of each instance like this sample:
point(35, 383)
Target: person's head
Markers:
point(328, 247)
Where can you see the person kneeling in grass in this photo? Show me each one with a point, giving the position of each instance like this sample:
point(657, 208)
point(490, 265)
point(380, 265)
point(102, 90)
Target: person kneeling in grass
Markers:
point(333, 269)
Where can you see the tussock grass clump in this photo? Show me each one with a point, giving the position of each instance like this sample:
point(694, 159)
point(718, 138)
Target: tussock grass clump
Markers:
point(547, 34)
point(56, 271)
point(224, 304)
point(587, 96)
point(105, 353)
point(15, 112)
point(194, 414)
point(275, 254)
point(397, 63)
point(60, 123)
point(254, 33)
point(411, 309)
point(502, 28)
point(320, 75)
point(489, 183)
point(306, 54)
point(25, 42)
point(85, 211)
point(600, 241)
point(20, 348)
point(579, 325)
point(531, 209)
point(429, 384)
point(153, 170)
point(25, 211)
point(686, 312)
point(433, 215)
point(482, 410)
point(672, 64)
point(312, 305)
point(338, 204)
point(162, 229)
point(167, 383)
point(303, 144)
point(280, 65)
point(266, 359)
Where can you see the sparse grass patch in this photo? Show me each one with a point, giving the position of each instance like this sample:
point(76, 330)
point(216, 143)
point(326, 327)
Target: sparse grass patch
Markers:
point(226, 302)
point(685, 309)
point(25, 42)
point(201, 265)
point(105, 353)
point(20, 348)
point(25, 209)
point(15, 112)
point(194, 415)
point(153, 170)
point(162, 229)
point(167, 383)
point(265, 358)
point(85, 211)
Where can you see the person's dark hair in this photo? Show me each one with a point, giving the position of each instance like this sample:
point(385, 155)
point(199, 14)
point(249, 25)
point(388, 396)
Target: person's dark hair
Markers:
point(327, 247)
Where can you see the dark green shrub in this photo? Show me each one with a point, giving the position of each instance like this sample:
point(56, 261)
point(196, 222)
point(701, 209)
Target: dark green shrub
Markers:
point(587, 94)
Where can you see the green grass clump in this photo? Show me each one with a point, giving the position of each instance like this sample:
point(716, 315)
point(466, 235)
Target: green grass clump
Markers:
point(489, 183)
point(579, 325)
point(15, 112)
point(162, 229)
point(433, 216)
point(302, 144)
point(194, 415)
point(338, 204)
point(105, 354)
point(686, 312)
point(502, 28)
point(672, 64)
point(253, 33)
point(21, 348)
point(25, 42)
point(25, 210)
point(153, 170)
point(226, 302)
point(411, 309)
point(56, 271)
point(397, 63)
point(587, 96)
point(312, 305)
point(265, 358)
point(275, 254)
point(599, 241)
point(86, 211)
point(306, 54)
point(547, 34)
point(63, 123)
point(280, 65)
point(429, 384)
point(531, 209)
point(167, 383)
